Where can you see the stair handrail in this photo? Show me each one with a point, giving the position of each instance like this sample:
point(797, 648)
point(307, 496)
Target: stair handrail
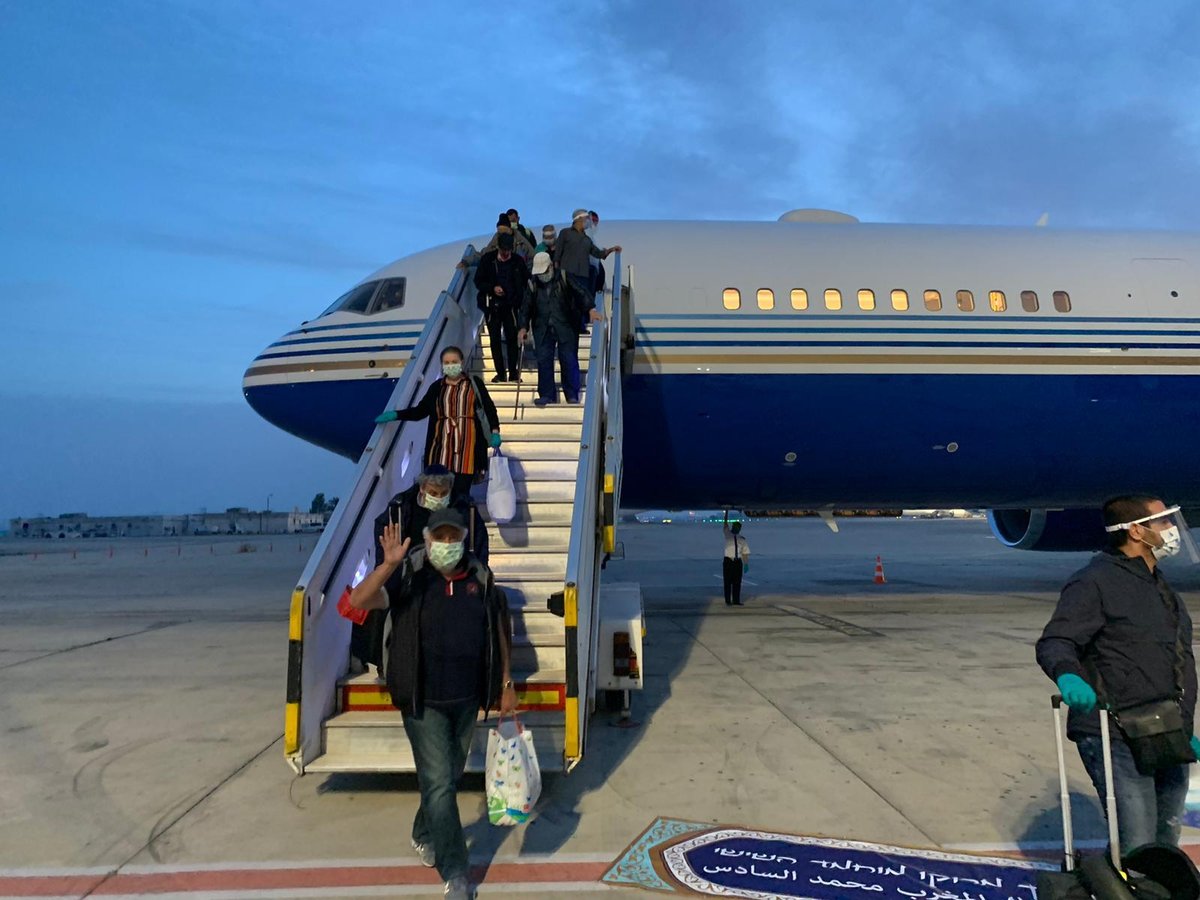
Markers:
point(581, 590)
point(615, 424)
point(389, 463)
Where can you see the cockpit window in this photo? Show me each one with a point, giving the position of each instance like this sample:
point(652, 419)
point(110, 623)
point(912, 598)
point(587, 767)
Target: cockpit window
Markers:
point(355, 300)
point(391, 295)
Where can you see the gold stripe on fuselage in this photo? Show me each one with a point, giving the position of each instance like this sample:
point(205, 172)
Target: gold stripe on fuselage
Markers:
point(353, 365)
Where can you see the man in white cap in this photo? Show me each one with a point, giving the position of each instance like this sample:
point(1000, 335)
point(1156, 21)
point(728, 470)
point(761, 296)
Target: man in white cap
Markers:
point(572, 254)
point(549, 313)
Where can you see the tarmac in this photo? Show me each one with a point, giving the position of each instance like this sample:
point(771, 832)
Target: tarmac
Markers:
point(142, 694)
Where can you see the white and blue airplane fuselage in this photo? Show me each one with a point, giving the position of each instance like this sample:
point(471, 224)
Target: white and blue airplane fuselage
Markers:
point(797, 365)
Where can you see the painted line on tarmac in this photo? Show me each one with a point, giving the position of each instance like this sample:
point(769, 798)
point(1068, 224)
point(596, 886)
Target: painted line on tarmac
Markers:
point(158, 626)
point(839, 625)
point(282, 879)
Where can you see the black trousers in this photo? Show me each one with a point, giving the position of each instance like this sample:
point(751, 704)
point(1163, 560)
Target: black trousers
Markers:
point(502, 329)
point(732, 571)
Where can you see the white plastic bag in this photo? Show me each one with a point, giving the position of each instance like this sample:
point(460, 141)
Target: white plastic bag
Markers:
point(501, 493)
point(512, 776)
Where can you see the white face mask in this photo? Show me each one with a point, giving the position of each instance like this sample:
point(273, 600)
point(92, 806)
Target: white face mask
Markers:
point(545, 277)
point(452, 370)
point(445, 556)
point(433, 503)
point(1172, 541)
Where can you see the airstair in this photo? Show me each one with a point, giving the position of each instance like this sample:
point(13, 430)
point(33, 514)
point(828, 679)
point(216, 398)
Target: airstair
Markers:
point(566, 464)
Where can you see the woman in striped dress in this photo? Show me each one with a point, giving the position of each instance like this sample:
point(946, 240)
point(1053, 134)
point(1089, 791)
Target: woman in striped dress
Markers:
point(458, 407)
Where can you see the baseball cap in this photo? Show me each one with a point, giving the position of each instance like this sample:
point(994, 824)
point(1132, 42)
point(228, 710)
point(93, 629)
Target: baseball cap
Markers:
point(443, 517)
point(541, 263)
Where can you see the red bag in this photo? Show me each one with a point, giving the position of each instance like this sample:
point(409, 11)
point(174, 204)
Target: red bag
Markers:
point(346, 611)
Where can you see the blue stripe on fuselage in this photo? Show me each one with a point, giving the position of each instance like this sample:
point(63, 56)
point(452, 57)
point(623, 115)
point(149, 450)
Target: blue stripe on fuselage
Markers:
point(859, 440)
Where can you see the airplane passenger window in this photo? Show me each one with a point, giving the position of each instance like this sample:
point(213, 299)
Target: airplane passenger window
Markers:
point(732, 298)
point(900, 300)
point(997, 301)
point(355, 300)
point(966, 301)
point(866, 299)
point(833, 298)
point(766, 298)
point(799, 298)
point(1062, 301)
point(933, 301)
point(391, 295)
point(1029, 301)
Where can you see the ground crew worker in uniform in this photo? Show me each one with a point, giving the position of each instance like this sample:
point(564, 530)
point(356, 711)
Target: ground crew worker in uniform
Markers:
point(735, 562)
point(1120, 631)
point(449, 657)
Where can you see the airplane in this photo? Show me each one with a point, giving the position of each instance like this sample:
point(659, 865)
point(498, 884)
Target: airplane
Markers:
point(818, 362)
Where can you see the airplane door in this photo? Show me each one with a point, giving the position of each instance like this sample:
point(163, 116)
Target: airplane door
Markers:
point(1166, 281)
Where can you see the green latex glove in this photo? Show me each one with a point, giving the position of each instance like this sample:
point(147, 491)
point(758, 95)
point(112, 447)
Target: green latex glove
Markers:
point(389, 416)
point(1077, 693)
point(495, 439)
point(745, 567)
point(1196, 746)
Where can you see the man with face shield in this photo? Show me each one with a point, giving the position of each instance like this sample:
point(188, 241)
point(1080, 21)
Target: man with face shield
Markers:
point(1122, 638)
point(548, 312)
point(447, 658)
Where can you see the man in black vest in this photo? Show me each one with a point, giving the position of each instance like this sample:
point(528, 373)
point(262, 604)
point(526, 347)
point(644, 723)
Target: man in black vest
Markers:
point(1120, 631)
point(449, 657)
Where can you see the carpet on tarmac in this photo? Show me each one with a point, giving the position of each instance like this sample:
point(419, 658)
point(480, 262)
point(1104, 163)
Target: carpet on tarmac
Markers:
point(699, 858)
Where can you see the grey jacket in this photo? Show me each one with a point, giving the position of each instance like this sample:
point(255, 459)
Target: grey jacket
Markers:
point(572, 252)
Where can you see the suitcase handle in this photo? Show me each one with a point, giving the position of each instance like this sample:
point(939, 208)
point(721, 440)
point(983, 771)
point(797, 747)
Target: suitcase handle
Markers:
point(1114, 843)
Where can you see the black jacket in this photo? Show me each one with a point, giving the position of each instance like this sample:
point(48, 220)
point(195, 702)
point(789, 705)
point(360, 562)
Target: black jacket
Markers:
point(426, 408)
point(403, 649)
point(512, 275)
point(1116, 626)
point(551, 306)
point(403, 508)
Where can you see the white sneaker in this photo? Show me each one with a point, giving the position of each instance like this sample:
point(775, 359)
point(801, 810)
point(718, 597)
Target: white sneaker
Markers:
point(425, 851)
point(459, 889)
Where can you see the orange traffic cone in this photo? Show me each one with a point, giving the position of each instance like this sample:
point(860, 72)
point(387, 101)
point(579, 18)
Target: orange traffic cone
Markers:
point(879, 579)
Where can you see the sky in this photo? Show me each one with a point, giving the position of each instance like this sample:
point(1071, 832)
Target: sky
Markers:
point(182, 182)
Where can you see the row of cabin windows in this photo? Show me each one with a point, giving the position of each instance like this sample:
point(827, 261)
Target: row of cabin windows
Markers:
point(965, 300)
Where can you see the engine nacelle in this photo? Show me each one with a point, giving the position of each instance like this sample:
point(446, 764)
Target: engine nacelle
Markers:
point(1049, 529)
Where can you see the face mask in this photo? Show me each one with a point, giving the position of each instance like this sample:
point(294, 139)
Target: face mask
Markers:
point(545, 277)
point(445, 556)
point(451, 370)
point(432, 503)
point(1171, 542)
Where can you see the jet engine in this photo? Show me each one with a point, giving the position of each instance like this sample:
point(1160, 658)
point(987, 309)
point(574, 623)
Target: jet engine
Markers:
point(1049, 529)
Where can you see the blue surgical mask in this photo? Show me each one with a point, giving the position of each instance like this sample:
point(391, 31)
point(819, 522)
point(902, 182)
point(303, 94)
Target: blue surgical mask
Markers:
point(452, 370)
point(445, 556)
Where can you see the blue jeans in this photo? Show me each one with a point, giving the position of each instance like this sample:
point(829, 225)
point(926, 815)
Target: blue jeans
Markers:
point(568, 363)
point(1149, 807)
point(441, 739)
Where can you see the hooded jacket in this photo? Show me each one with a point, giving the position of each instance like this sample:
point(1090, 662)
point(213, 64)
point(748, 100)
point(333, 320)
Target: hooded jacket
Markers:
point(1116, 626)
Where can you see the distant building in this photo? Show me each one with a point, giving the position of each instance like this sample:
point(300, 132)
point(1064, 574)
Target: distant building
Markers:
point(237, 520)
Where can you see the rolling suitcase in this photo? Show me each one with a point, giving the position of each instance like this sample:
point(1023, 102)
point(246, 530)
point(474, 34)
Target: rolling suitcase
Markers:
point(1152, 872)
